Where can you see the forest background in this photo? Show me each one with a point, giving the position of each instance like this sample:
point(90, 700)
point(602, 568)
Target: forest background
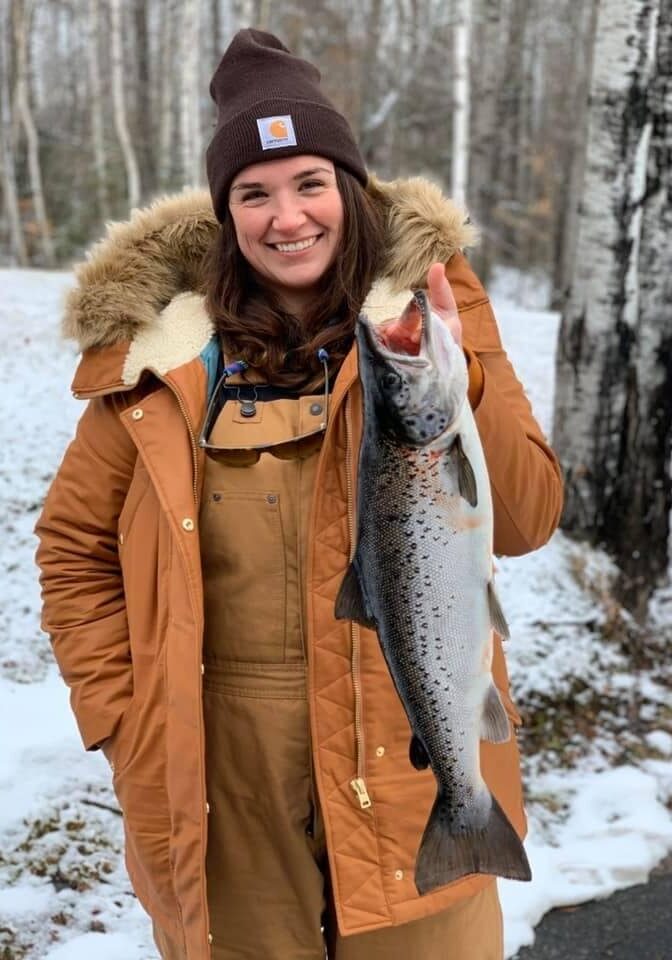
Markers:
point(551, 121)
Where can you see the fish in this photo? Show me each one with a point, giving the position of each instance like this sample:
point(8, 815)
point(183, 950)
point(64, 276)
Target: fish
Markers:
point(422, 577)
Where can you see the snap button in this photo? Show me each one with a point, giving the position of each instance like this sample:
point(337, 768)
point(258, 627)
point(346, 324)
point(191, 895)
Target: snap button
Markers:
point(210, 938)
point(380, 751)
point(188, 524)
point(216, 497)
point(316, 409)
point(271, 498)
point(137, 414)
point(398, 874)
point(202, 669)
point(207, 807)
point(121, 538)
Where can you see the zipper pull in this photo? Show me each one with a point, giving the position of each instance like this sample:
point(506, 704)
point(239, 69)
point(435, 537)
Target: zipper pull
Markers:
point(359, 786)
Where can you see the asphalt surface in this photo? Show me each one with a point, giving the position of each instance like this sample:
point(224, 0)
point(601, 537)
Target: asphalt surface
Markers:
point(633, 924)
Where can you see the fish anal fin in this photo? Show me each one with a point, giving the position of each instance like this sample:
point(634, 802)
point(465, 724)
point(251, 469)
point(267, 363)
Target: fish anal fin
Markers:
point(351, 603)
point(495, 725)
point(466, 478)
point(417, 754)
point(497, 618)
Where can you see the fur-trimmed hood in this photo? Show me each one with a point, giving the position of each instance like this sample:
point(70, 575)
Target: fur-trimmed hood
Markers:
point(139, 285)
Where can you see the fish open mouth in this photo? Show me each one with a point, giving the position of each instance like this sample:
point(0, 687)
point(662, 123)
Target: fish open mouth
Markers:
point(404, 339)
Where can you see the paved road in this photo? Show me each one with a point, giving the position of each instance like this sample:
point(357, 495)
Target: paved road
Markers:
point(633, 924)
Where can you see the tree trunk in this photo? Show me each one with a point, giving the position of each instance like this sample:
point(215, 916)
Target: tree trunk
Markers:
point(97, 133)
point(584, 22)
point(9, 187)
point(190, 126)
point(121, 124)
point(144, 116)
point(462, 102)
point(22, 22)
point(168, 92)
point(613, 410)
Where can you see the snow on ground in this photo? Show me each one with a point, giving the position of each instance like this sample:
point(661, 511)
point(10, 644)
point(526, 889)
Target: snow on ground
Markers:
point(597, 823)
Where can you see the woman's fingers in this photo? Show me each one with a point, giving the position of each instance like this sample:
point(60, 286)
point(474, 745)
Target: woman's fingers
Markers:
point(442, 300)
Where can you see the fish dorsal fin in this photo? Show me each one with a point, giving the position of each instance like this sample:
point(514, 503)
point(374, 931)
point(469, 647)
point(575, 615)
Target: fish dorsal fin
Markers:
point(351, 603)
point(417, 754)
point(494, 722)
point(497, 618)
point(466, 478)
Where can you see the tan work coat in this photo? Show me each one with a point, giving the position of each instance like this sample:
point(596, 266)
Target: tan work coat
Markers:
point(121, 569)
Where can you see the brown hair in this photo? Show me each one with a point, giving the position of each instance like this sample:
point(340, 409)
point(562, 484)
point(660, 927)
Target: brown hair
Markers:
point(253, 326)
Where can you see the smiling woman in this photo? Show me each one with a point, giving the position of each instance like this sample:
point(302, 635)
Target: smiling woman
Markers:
point(194, 540)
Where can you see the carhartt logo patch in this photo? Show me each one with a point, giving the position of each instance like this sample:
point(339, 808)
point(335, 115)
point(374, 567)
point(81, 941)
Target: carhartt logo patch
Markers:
point(276, 132)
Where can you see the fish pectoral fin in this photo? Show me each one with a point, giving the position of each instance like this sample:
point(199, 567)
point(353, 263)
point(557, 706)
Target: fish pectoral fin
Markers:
point(495, 725)
point(497, 618)
point(351, 603)
point(466, 478)
point(417, 754)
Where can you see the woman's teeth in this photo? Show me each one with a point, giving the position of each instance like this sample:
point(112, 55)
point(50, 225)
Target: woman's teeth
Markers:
point(293, 247)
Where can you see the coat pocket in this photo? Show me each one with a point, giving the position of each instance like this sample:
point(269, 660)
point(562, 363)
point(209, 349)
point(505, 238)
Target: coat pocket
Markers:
point(244, 577)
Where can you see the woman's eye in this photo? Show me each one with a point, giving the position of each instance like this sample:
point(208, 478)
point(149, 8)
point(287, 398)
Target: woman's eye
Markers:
point(311, 184)
point(253, 195)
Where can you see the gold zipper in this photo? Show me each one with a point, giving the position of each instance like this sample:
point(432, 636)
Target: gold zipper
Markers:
point(359, 783)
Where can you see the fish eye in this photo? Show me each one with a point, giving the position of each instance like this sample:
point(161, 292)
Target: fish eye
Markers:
point(391, 379)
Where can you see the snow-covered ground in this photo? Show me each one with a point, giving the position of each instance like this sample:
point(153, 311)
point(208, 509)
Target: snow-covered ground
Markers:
point(598, 734)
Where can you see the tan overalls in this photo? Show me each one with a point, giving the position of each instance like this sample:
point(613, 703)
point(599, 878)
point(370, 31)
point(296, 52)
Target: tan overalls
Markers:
point(267, 871)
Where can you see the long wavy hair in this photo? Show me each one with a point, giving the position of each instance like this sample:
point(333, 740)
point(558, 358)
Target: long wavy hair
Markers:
point(253, 326)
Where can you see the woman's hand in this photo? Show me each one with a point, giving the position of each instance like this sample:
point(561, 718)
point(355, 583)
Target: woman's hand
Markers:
point(442, 300)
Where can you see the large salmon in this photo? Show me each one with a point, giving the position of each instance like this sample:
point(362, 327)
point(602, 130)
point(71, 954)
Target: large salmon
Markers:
point(422, 577)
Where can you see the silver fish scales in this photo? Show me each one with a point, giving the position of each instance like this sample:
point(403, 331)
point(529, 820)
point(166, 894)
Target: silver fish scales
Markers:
point(422, 576)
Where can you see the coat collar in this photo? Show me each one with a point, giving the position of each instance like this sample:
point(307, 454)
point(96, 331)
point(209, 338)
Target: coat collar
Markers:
point(137, 304)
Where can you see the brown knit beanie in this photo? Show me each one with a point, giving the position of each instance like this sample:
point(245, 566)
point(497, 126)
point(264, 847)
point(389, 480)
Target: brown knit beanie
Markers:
point(270, 105)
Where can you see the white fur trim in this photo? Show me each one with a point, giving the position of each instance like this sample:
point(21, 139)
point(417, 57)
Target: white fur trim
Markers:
point(382, 304)
point(181, 331)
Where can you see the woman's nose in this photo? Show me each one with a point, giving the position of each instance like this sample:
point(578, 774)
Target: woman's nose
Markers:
point(288, 216)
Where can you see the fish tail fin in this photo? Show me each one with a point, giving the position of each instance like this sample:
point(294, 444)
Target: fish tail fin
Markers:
point(445, 856)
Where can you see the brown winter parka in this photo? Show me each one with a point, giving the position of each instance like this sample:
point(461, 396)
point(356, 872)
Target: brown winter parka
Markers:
point(121, 565)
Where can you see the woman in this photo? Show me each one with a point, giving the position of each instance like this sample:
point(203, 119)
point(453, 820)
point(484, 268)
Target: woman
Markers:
point(197, 532)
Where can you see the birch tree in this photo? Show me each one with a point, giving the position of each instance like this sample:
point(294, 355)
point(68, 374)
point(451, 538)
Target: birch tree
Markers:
point(9, 186)
point(119, 99)
point(168, 91)
point(190, 94)
point(23, 13)
point(462, 103)
point(97, 134)
point(613, 415)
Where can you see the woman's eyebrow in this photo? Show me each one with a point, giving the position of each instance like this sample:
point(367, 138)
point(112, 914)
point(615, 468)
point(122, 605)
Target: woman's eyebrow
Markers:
point(304, 173)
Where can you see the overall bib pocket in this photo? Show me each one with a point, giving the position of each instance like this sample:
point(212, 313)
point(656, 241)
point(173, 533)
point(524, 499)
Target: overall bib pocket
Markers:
point(245, 570)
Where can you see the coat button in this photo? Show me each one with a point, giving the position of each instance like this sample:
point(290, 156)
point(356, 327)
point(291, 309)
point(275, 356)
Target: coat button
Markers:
point(398, 874)
point(380, 751)
point(207, 807)
point(202, 669)
point(271, 498)
point(210, 938)
point(188, 524)
point(316, 409)
point(137, 414)
point(121, 538)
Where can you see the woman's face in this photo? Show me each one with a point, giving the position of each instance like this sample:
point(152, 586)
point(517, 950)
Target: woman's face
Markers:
point(288, 218)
